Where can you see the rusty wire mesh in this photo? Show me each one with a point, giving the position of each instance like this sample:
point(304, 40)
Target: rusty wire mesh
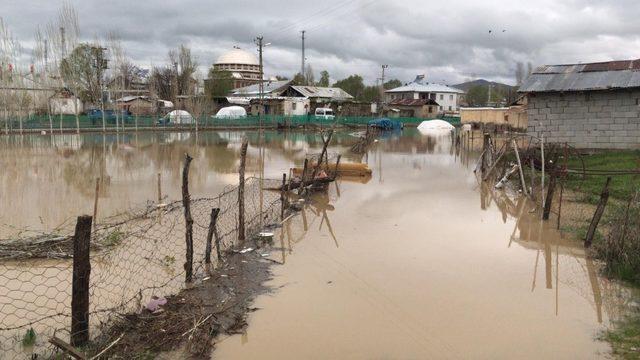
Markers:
point(134, 256)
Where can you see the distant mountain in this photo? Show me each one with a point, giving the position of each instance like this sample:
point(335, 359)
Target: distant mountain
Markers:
point(502, 88)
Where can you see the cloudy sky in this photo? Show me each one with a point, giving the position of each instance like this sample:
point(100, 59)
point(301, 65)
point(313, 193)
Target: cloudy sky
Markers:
point(449, 41)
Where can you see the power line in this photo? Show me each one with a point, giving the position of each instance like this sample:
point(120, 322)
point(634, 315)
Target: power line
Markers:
point(324, 20)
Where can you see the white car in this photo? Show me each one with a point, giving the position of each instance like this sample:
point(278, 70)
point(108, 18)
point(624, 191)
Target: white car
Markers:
point(324, 114)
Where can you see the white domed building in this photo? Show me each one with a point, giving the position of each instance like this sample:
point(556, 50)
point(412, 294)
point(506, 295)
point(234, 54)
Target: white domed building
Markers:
point(243, 66)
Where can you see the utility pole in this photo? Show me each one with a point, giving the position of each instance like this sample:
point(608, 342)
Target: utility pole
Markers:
point(101, 64)
point(63, 46)
point(259, 42)
point(382, 88)
point(302, 68)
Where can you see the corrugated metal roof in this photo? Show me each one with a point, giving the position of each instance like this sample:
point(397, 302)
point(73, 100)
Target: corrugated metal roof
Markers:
point(132, 97)
point(584, 77)
point(269, 87)
point(412, 102)
point(322, 92)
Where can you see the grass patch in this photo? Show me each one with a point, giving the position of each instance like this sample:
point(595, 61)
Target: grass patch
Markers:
point(114, 238)
point(621, 187)
point(625, 338)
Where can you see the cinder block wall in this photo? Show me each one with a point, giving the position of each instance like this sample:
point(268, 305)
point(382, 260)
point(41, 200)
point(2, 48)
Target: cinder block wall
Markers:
point(591, 120)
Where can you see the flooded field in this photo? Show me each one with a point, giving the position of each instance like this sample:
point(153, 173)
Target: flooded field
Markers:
point(420, 261)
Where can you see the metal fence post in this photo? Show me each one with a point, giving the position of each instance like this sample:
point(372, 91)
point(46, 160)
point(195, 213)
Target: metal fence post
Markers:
point(80, 282)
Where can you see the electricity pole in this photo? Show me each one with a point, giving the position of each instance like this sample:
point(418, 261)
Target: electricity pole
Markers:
point(259, 42)
point(382, 88)
point(101, 64)
point(302, 68)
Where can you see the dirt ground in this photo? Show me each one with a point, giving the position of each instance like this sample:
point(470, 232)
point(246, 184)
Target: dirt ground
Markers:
point(191, 320)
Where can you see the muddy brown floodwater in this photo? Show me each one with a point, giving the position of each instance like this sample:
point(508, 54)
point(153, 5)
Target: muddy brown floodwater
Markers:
point(419, 262)
point(423, 263)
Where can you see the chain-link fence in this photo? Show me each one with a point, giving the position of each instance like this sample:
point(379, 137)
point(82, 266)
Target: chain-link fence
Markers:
point(134, 256)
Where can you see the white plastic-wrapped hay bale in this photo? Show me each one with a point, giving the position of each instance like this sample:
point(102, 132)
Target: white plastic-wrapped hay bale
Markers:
point(434, 127)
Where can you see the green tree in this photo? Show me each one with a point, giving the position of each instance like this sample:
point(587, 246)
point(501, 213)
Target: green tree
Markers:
point(298, 79)
point(371, 94)
point(477, 96)
point(324, 79)
point(392, 84)
point(353, 85)
point(219, 83)
point(80, 73)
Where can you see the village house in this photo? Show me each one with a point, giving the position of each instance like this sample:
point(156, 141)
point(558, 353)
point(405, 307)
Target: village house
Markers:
point(447, 97)
point(65, 102)
point(137, 105)
point(282, 98)
point(592, 105)
point(320, 97)
point(417, 108)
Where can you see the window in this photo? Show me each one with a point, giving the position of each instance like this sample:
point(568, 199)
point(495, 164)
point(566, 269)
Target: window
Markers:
point(430, 109)
point(450, 97)
point(293, 106)
point(449, 107)
point(441, 97)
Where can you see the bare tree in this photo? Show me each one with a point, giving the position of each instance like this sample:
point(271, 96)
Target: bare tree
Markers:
point(308, 75)
point(63, 34)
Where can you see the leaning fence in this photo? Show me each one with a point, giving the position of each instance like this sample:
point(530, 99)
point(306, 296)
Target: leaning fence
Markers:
point(132, 257)
point(582, 192)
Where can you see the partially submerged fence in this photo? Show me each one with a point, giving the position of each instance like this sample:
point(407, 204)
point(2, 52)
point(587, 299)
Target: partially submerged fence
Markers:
point(130, 258)
point(578, 190)
point(66, 123)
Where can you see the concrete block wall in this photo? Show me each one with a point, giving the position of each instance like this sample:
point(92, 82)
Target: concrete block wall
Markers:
point(588, 120)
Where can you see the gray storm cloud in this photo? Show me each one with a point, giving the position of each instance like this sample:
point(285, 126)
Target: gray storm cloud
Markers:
point(449, 41)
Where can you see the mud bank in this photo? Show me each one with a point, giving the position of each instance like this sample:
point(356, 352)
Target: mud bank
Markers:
point(192, 320)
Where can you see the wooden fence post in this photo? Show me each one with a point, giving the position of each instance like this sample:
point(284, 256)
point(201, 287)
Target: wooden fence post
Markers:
point(95, 202)
point(335, 173)
point(325, 143)
point(159, 189)
point(520, 170)
point(604, 197)
point(304, 174)
point(550, 190)
point(212, 231)
point(186, 202)
point(80, 283)
point(243, 162)
point(485, 151)
point(282, 200)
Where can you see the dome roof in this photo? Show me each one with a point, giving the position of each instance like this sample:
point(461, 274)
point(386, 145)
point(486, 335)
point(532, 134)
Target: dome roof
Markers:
point(237, 56)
